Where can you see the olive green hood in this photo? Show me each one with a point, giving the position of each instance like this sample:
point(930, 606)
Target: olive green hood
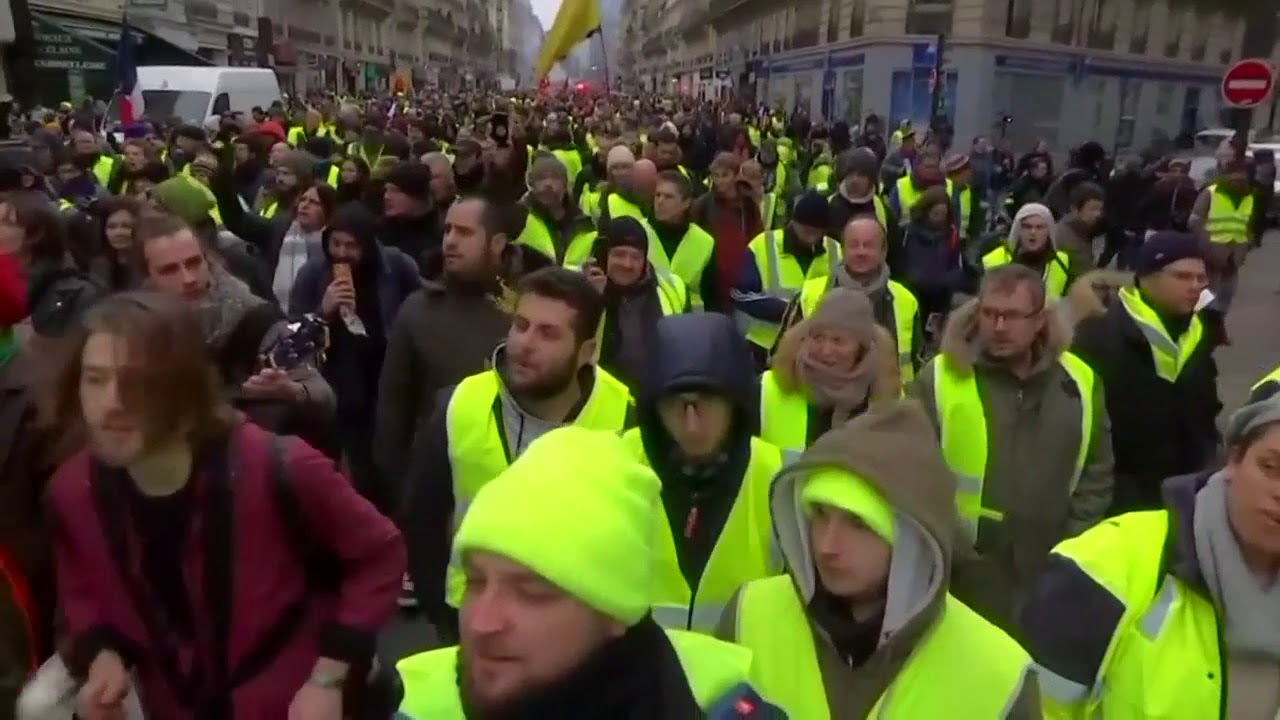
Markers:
point(894, 448)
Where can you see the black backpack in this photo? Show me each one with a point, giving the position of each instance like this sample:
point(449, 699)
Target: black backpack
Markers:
point(60, 298)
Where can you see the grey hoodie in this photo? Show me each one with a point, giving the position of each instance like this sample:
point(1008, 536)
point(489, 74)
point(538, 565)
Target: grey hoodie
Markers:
point(892, 447)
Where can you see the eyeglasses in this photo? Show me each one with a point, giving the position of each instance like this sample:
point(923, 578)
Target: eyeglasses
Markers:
point(994, 316)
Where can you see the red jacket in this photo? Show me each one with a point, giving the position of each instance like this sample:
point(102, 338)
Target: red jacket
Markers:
point(267, 578)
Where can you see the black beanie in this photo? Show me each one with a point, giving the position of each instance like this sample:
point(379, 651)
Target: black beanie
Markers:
point(626, 232)
point(411, 178)
point(1164, 248)
point(812, 210)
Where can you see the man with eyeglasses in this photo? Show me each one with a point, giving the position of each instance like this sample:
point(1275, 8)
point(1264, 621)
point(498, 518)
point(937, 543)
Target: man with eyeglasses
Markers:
point(1152, 348)
point(1023, 425)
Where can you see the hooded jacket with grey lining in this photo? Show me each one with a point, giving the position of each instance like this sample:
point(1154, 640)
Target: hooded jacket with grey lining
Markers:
point(884, 447)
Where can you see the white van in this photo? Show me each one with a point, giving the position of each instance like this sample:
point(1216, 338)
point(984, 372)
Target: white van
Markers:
point(198, 93)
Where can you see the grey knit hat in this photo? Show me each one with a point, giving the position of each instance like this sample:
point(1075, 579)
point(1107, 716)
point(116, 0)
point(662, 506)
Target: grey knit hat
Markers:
point(846, 309)
point(1251, 417)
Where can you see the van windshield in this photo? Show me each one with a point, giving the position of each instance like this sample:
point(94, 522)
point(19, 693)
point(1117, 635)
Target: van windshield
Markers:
point(188, 105)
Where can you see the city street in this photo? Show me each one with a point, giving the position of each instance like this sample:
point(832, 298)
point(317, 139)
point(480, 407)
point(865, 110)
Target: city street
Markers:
point(1254, 325)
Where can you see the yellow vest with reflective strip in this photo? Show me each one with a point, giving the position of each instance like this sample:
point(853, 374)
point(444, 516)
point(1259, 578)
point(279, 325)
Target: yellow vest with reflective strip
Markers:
point(963, 202)
point(744, 550)
point(269, 210)
point(1273, 376)
point(673, 298)
point(103, 168)
point(784, 416)
point(963, 667)
point(712, 667)
point(963, 424)
point(905, 311)
point(690, 260)
point(335, 175)
point(478, 450)
point(537, 236)
point(1055, 274)
point(908, 195)
point(589, 203)
point(882, 213)
point(571, 160)
point(1168, 357)
point(781, 277)
point(1227, 222)
point(1163, 660)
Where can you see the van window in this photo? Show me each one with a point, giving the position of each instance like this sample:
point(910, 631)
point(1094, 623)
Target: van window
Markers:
point(221, 105)
point(188, 105)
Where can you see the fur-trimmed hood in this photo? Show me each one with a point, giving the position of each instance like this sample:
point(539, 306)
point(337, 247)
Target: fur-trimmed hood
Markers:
point(960, 343)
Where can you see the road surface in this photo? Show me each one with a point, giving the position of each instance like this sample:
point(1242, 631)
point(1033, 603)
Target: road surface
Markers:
point(1254, 326)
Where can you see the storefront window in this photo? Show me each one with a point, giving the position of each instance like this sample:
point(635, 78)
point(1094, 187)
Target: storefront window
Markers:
point(851, 95)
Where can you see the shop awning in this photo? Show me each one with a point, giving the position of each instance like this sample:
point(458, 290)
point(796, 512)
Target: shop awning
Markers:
point(60, 48)
point(103, 36)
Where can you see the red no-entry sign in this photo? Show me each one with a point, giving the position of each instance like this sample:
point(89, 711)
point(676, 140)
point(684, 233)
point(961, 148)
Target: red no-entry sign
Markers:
point(1247, 83)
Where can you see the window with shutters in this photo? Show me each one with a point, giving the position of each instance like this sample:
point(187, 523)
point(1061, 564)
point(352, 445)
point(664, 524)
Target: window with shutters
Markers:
point(1140, 31)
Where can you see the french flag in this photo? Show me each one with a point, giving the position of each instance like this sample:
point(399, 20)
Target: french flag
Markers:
point(130, 96)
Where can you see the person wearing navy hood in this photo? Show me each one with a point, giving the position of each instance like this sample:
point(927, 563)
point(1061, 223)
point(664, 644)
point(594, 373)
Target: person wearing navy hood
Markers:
point(636, 294)
point(696, 430)
point(359, 301)
point(1152, 348)
point(410, 218)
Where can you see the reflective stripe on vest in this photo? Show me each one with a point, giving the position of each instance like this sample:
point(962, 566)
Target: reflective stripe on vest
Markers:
point(781, 277)
point(784, 416)
point(537, 236)
point(673, 298)
point(1228, 222)
point(1165, 660)
point(965, 440)
point(744, 550)
point(1169, 357)
point(768, 208)
point(905, 310)
point(478, 451)
point(103, 168)
point(1273, 376)
point(691, 257)
point(334, 177)
point(269, 211)
point(712, 667)
point(882, 213)
point(908, 195)
point(962, 661)
point(961, 199)
point(1055, 271)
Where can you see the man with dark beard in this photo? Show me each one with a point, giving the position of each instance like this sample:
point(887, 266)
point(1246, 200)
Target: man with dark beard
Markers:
point(541, 378)
point(556, 624)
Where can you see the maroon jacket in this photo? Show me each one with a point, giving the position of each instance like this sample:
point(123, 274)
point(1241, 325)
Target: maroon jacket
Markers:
point(267, 578)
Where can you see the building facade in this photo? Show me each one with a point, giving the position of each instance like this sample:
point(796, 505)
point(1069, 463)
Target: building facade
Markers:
point(1119, 71)
point(341, 45)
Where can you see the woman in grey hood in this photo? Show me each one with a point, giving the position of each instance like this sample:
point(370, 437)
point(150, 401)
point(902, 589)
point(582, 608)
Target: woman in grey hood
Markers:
point(1171, 613)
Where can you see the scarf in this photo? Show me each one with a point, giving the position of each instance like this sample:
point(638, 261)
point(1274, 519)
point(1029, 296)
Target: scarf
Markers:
point(843, 392)
point(1249, 609)
point(870, 286)
point(296, 248)
point(221, 309)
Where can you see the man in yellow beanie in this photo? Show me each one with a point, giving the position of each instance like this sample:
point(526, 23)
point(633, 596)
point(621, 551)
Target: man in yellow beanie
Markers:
point(555, 618)
point(863, 625)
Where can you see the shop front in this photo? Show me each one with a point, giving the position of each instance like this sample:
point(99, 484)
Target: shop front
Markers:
point(74, 58)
